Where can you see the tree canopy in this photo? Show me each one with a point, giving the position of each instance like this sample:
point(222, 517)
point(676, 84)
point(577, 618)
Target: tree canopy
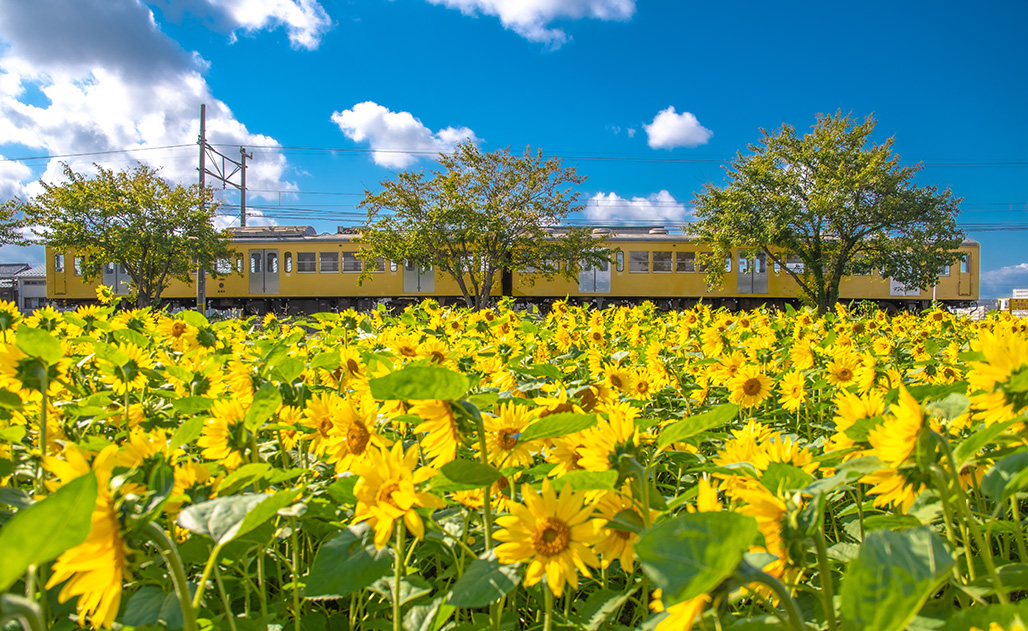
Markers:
point(480, 214)
point(133, 218)
point(838, 201)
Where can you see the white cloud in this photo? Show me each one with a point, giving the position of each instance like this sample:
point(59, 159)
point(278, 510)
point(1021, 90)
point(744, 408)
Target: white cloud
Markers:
point(12, 178)
point(113, 82)
point(305, 21)
point(658, 207)
point(531, 18)
point(669, 130)
point(396, 138)
point(1000, 282)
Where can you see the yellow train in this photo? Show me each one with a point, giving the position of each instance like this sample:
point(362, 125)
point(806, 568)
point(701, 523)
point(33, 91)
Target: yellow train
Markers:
point(293, 269)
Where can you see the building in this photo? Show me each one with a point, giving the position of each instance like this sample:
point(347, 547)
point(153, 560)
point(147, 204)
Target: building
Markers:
point(8, 288)
point(31, 288)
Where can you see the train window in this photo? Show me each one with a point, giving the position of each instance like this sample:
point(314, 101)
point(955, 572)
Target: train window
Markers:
point(329, 262)
point(58, 262)
point(239, 263)
point(392, 266)
point(742, 264)
point(289, 262)
point(603, 265)
point(306, 262)
point(944, 270)
point(78, 263)
point(620, 261)
point(965, 263)
point(109, 268)
point(795, 263)
point(639, 262)
point(256, 258)
point(728, 263)
point(685, 262)
point(223, 266)
point(662, 262)
point(273, 262)
point(380, 265)
point(351, 263)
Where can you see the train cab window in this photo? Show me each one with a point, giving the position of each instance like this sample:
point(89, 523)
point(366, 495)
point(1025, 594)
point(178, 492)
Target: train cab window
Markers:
point(965, 263)
point(329, 262)
point(639, 262)
point(306, 262)
point(685, 262)
point(662, 262)
point(288, 262)
point(223, 266)
point(620, 261)
point(239, 263)
point(351, 264)
point(58, 262)
point(78, 263)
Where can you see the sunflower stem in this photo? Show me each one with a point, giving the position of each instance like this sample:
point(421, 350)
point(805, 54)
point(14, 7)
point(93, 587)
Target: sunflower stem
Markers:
point(792, 619)
point(548, 616)
point(295, 545)
point(487, 513)
point(1019, 538)
point(224, 600)
point(207, 569)
point(23, 610)
point(398, 576)
point(827, 587)
point(169, 551)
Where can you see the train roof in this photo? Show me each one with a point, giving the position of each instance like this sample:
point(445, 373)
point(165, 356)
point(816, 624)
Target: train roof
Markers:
point(647, 233)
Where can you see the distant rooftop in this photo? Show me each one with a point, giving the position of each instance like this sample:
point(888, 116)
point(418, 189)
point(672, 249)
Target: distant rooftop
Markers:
point(8, 270)
point(38, 271)
point(263, 232)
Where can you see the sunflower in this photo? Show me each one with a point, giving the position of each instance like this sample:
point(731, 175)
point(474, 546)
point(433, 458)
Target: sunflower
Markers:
point(224, 436)
point(555, 532)
point(893, 487)
point(616, 543)
point(842, 371)
point(440, 426)
point(793, 390)
point(749, 387)
point(503, 433)
point(387, 491)
point(680, 616)
point(894, 440)
point(356, 433)
point(94, 569)
point(125, 372)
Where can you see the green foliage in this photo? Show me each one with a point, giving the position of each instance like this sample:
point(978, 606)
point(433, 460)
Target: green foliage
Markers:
point(892, 577)
point(420, 382)
point(841, 206)
point(347, 563)
point(484, 581)
point(132, 218)
point(482, 213)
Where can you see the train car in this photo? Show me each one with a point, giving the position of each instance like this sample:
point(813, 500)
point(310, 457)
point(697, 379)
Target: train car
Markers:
point(293, 269)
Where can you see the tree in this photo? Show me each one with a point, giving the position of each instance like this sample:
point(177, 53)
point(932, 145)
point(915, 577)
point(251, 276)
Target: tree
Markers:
point(840, 204)
point(132, 218)
point(481, 214)
point(11, 224)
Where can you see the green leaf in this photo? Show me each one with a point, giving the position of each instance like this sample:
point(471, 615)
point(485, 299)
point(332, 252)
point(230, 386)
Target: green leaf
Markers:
point(982, 616)
point(328, 360)
point(193, 318)
point(420, 382)
point(428, 617)
point(135, 338)
point(186, 433)
point(290, 368)
point(44, 530)
point(38, 343)
point(13, 434)
point(152, 606)
point(785, 477)
point(691, 554)
point(587, 480)
point(556, 425)
point(692, 425)
point(242, 476)
point(593, 613)
point(226, 518)
point(470, 472)
point(951, 407)
point(966, 451)
point(342, 490)
point(1008, 476)
point(192, 405)
point(483, 582)
point(10, 400)
point(347, 563)
point(892, 577)
point(411, 587)
point(266, 402)
point(890, 522)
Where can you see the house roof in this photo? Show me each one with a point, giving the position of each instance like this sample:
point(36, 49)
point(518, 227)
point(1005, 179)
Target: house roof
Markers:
point(8, 270)
point(38, 271)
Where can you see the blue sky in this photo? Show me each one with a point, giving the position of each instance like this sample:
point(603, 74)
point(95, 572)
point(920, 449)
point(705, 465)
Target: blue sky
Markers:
point(647, 98)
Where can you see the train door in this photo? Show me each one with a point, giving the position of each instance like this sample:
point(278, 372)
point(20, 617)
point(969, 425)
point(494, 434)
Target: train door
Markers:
point(417, 279)
point(60, 279)
point(751, 277)
point(116, 277)
point(263, 271)
point(594, 279)
point(964, 276)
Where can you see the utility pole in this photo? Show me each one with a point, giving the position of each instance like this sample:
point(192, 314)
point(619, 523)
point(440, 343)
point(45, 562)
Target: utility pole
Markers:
point(242, 185)
point(201, 275)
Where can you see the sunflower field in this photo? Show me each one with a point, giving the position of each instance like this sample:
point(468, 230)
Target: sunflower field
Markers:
point(448, 470)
